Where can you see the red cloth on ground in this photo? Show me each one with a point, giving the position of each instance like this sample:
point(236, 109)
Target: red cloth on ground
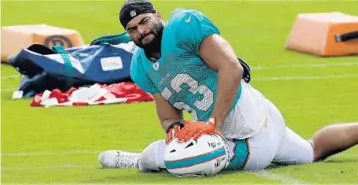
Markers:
point(97, 94)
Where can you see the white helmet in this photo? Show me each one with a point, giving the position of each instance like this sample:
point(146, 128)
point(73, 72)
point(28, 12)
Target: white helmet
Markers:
point(204, 157)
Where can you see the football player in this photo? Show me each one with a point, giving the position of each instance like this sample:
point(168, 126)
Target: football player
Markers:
point(187, 65)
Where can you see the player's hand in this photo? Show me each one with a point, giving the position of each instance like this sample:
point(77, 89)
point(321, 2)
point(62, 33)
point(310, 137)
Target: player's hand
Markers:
point(195, 129)
point(173, 129)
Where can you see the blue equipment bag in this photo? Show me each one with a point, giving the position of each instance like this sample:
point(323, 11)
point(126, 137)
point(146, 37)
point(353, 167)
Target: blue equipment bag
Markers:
point(105, 60)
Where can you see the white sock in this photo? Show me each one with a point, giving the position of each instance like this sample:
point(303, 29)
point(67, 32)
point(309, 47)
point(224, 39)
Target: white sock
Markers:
point(152, 157)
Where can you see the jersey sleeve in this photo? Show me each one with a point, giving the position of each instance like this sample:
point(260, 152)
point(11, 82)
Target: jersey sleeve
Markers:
point(193, 28)
point(140, 76)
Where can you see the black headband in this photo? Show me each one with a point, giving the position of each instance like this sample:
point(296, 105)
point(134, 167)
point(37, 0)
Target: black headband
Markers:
point(130, 11)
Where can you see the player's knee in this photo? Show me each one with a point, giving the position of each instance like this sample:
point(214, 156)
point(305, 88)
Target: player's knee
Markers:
point(320, 153)
point(323, 146)
point(151, 157)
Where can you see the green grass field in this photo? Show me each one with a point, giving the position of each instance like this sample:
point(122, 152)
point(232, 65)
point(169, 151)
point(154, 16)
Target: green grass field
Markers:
point(60, 145)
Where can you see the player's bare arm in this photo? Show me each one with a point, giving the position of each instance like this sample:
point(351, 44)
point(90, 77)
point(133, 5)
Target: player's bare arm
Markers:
point(220, 56)
point(170, 118)
point(167, 114)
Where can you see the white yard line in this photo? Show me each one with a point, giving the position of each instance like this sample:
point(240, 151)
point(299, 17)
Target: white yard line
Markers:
point(282, 178)
point(272, 78)
point(51, 153)
point(9, 77)
point(321, 65)
point(276, 78)
point(318, 65)
point(8, 89)
point(50, 167)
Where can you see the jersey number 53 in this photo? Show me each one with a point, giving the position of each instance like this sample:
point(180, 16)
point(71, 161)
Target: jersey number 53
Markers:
point(201, 104)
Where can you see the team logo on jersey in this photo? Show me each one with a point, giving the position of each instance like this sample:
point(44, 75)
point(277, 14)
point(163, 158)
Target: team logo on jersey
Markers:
point(132, 13)
point(156, 66)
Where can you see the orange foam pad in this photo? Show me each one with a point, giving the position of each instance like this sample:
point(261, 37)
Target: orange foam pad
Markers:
point(315, 34)
point(15, 38)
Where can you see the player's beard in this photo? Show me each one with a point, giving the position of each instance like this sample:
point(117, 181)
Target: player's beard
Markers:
point(155, 45)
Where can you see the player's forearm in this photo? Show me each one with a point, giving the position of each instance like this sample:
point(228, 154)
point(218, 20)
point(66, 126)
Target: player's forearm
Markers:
point(228, 84)
point(167, 114)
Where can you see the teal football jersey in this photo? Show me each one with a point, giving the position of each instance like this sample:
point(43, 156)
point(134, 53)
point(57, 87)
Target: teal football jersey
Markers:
point(180, 75)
